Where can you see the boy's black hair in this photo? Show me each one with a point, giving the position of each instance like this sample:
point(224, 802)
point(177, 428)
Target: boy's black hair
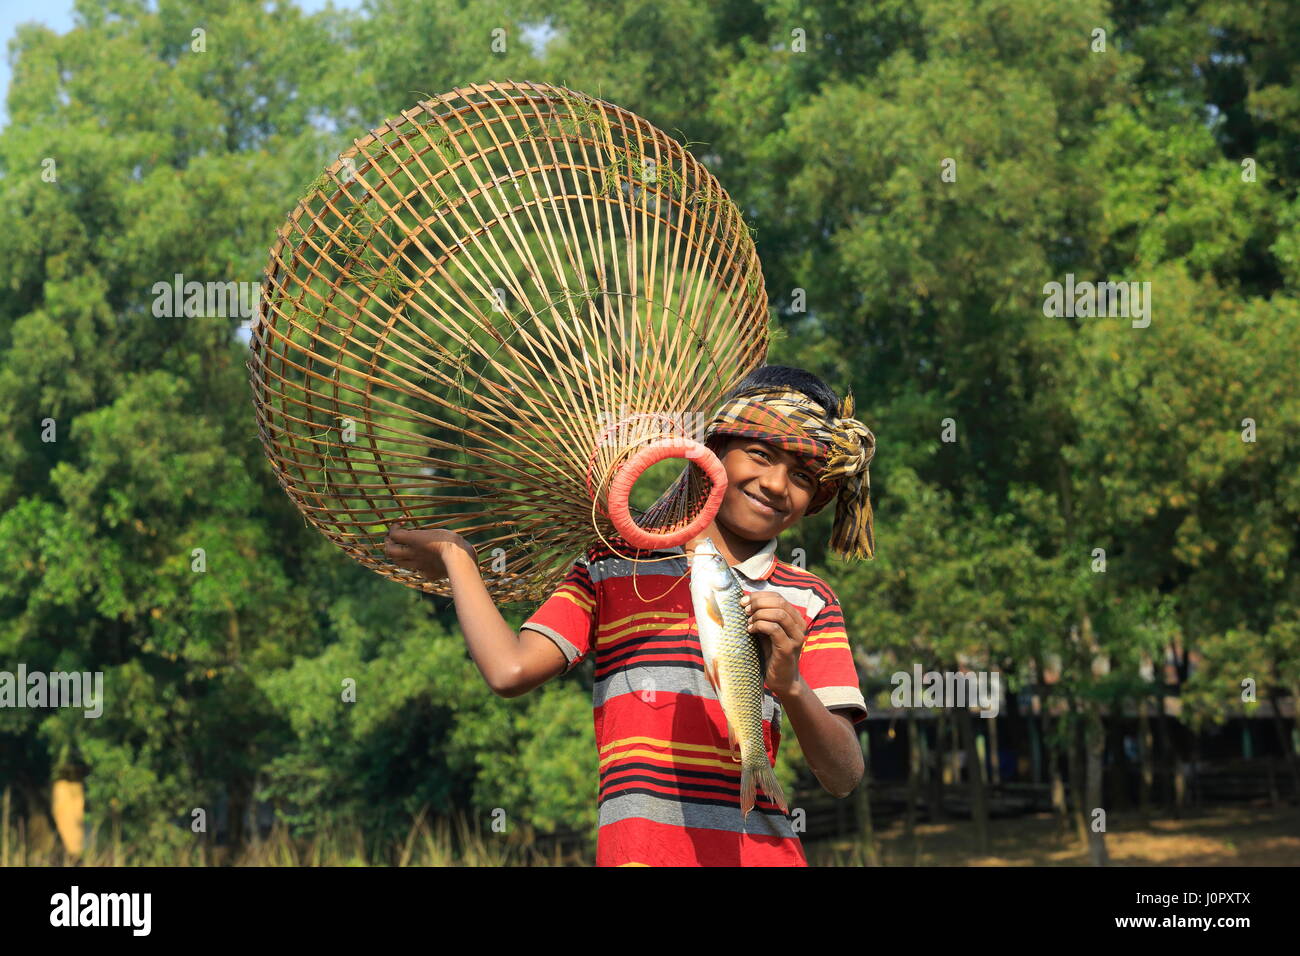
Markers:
point(795, 379)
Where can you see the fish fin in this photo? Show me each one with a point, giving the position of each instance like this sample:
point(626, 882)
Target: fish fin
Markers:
point(711, 672)
point(715, 612)
point(767, 780)
point(733, 743)
point(746, 791)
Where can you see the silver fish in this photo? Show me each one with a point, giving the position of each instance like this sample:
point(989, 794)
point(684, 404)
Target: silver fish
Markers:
point(733, 663)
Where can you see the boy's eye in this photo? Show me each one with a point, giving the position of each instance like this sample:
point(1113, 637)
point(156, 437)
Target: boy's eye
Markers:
point(805, 476)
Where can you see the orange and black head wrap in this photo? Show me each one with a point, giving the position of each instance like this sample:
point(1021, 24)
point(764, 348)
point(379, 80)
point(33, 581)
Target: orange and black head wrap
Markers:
point(838, 450)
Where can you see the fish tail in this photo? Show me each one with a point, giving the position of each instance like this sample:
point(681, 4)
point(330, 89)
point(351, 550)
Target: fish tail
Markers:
point(766, 776)
point(756, 777)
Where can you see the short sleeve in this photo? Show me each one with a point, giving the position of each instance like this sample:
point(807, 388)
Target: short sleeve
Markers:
point(568, 616)
point(827, 666)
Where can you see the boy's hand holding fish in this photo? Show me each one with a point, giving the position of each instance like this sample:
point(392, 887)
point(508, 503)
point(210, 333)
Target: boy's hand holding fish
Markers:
point(780, 628)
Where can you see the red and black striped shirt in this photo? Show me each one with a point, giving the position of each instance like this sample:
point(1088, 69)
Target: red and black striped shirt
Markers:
point(669, 791)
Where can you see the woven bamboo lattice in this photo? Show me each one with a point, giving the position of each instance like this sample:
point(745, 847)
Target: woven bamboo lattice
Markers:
point(480, 312)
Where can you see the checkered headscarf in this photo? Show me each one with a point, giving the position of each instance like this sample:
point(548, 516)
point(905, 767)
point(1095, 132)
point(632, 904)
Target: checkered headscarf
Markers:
point(838, 449)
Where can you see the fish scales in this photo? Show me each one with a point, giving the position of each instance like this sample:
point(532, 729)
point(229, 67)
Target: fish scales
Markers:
point(734, 666)
point(741, 670)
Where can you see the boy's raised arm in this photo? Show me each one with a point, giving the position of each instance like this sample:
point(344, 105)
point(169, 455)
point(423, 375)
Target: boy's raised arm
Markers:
point(512, 664)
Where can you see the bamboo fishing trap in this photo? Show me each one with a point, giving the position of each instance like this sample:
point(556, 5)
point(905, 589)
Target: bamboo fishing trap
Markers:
point(490, 316)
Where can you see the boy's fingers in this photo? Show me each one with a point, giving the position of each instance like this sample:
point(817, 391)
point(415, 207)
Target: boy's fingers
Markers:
point(760, 599)
point(395, 549)
point(778, 615)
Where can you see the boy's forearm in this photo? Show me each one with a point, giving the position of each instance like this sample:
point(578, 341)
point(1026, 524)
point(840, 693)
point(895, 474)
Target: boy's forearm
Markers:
point(829, 743)
point(492, 643)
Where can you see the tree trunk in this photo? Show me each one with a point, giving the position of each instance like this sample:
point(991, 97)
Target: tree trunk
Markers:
point(236, 811)
point(1095, 742)
point(915, 754)
point(117, 839)
point(1292, 756)
point(978, 795)
point(1180, 785)
point(863, 801)
point(1075, 769)
point(955, 751)
point(1058, 783)
point(1044, 750)
point(1195, 767)
point(1285, 743)
point(1145, 756)
point(937, 769)
point(1035, 748)
point(1172, 761)
point(995, 764)
point(1121, 768)
point(1180, 765)
point(68, 800)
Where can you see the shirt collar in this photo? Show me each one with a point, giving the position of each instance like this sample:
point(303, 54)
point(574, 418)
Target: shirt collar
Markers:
point(757, 568)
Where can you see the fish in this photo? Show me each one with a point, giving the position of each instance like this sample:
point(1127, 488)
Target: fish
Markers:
point(734, 666)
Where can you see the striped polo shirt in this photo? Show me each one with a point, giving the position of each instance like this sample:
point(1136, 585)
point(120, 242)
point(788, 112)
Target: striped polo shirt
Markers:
point(669, 790)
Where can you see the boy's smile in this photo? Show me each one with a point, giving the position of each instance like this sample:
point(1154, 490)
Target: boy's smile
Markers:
point(768, 490)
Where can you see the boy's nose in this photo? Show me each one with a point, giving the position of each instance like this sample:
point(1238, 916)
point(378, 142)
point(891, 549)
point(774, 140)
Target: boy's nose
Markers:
point(773, 483)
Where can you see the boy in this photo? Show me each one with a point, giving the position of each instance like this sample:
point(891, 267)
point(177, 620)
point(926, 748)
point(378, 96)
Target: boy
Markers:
point(669, 789)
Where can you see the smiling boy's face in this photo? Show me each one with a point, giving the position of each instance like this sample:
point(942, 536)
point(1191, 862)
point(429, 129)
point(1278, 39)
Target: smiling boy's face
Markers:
point(773, 476)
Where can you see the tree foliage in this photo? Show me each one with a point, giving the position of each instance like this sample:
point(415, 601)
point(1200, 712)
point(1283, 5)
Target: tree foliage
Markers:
point(924, 297)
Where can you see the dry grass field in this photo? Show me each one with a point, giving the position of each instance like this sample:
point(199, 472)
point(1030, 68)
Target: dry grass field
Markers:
point(1228, 836)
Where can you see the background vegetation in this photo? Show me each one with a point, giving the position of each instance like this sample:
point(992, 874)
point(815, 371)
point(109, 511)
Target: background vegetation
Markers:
point(923, 297)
